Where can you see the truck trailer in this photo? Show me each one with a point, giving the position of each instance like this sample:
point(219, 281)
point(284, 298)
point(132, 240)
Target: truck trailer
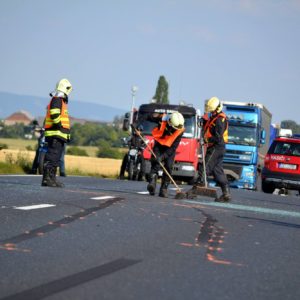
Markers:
point(248, 143)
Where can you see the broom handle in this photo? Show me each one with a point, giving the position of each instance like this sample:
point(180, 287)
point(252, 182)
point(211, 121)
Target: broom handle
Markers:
point(163, 167)
point(203, 162)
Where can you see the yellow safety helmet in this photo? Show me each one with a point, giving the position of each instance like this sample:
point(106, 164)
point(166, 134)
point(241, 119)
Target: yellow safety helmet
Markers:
point(64, 86)
point(176, 120)
point(213, 104)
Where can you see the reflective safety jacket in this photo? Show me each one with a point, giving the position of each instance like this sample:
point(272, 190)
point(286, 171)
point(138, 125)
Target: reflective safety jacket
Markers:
point(216, 130)
point(57, 122)
point(165, 138)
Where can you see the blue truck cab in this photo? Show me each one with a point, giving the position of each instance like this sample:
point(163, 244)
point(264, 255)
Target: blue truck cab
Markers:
point(248, 143)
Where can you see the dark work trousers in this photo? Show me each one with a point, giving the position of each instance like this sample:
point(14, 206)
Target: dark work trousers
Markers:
point(53, 155)
point(167, 161)
point(214, 166)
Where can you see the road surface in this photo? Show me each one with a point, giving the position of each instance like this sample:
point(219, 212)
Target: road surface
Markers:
point(108, 239)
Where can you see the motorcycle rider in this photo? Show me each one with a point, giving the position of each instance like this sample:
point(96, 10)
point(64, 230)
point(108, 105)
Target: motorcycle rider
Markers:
point(134, 142)
point(38, 132)
point(215, 131)
point(57, 131)
point(167, 136)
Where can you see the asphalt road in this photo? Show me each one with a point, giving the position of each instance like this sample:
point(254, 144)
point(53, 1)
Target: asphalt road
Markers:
point(107, 239)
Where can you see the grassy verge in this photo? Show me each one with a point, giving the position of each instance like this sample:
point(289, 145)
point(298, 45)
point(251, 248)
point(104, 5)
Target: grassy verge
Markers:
point(6, 168)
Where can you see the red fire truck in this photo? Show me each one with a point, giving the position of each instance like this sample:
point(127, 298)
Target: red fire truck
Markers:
point(188, 152)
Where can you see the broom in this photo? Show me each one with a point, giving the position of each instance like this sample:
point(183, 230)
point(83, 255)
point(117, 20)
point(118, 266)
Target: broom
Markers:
point(203, 190)
point(179, 193)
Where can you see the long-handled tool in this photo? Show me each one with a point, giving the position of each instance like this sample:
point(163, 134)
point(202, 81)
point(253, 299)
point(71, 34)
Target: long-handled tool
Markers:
point(179, 194)
point(204, 190)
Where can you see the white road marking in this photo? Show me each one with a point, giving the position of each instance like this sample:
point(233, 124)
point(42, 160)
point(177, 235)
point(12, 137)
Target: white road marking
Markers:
point(103, 197)
point(34, 206)
point(143, 193)
point(255, 209)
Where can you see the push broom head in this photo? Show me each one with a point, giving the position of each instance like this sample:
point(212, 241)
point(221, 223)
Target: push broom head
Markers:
point(180, 194)
point(205, 191)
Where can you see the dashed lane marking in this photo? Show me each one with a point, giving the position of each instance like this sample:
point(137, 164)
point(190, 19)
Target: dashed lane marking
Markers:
point(103, 197)
point(29, 207)
point(143, 193)
point(255, 209)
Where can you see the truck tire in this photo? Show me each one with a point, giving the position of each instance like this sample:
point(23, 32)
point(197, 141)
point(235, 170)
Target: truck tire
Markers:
point(268, 188)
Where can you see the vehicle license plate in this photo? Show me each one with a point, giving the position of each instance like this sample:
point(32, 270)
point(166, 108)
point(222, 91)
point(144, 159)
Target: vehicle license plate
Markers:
point(287, 166)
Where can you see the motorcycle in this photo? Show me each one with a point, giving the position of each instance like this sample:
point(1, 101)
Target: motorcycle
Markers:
point(38, 164)
point(43, 148)
point(134, 163)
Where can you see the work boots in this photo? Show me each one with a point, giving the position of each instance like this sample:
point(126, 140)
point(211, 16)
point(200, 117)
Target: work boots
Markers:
point(163, 192)
point(49, 177)
point(152, 184)
point(225, 197)
point(53, 177)
point(47, 180)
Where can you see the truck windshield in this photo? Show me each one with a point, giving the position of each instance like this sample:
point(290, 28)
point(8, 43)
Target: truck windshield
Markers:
point(242, 135)
point(189, 124)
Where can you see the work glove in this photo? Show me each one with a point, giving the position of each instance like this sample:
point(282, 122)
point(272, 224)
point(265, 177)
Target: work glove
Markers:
point(165, 117)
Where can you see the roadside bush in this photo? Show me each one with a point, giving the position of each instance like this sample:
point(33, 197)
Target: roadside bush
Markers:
point(76, 151)
point(106, 151)
point(30, 148)
point(21, 161)
point(3, 146)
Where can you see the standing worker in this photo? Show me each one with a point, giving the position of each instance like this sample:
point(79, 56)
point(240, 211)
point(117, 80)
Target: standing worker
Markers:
point(57, 131)
point(215, 134)
point(167, 137)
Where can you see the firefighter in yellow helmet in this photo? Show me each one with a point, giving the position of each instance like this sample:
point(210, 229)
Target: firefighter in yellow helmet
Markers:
point(167, 136)
point(57, 131)
point(215, 134)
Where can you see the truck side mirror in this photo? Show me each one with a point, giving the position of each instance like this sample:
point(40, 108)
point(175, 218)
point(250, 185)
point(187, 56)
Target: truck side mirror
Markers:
point(126, 122)
point(263, 136)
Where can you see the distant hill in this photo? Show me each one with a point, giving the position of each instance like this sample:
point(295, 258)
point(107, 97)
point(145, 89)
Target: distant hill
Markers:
point(36, 106)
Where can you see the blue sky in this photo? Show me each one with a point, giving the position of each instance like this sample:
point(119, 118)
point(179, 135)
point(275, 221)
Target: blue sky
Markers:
point(237, 50)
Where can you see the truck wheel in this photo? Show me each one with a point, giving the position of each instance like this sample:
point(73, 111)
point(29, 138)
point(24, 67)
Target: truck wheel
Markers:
point(41, 162)
point(268, 188)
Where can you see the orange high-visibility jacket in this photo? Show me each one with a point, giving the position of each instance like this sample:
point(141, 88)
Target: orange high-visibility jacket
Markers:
point(211, 122)
point(63, 118)
point(165, 140)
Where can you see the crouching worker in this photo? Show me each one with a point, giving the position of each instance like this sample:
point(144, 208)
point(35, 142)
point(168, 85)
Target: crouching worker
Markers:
point(167, 136)
point(57, 131)
point(215, 132)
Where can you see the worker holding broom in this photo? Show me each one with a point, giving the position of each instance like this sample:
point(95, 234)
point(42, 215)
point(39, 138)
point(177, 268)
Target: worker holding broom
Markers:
point(167, 136)
point(215, 135)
